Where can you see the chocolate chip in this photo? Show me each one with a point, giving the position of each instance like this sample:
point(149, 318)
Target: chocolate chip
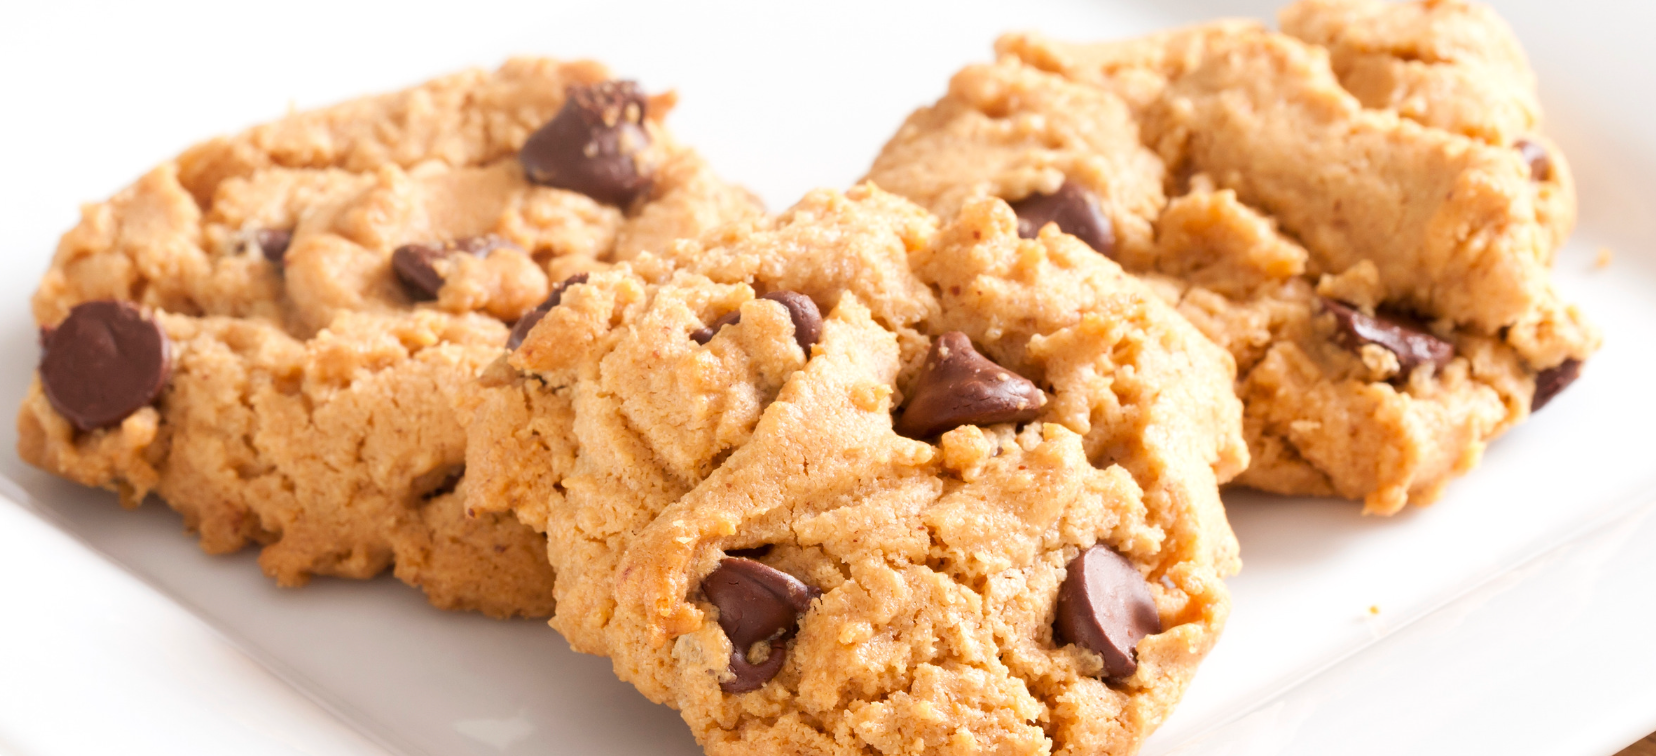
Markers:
point(807, 320)
point(555, 297)
point(442, 482)
point(1104, 606)
point(416, 264)
point(273, 243)
point(1412, 345)
point(525, 324)
point(104, 362)
point(416, 267)
point(1549, 382)
point(591, 146)
point(957, 386)
point(1540, 163)
point(756, 603)
point(1074, 209)
point(706, 333)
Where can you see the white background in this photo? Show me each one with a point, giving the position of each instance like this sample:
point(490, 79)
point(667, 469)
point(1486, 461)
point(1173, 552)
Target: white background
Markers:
point(1516, 616)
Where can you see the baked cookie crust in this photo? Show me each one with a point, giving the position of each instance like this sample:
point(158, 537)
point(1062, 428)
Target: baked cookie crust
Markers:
point(317, 399)
point(654, 450)
point(1271, 188)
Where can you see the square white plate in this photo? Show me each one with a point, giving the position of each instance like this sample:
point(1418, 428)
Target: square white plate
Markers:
point(1515, 616)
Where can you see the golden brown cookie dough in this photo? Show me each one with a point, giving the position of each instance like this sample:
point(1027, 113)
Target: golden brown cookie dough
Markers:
point(318, 400)
point(676, 459)
point(1450, 65)
point(1236, 175)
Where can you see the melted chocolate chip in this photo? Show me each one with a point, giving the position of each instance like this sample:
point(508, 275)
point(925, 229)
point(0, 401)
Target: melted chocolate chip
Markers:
point(1104, 606)
point(273, 243)
point(1413, 346)
point(525, 324)
point(1074, 209)
point(591, 146)
point(1540, 163)
point(1549, 382)
point(957, 386)
point(756, 603)
point(807, 320)
point(416, 267)
point(104, 362)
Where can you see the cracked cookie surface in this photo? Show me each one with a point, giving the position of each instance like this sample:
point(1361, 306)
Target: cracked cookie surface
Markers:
point(329, 284)
point(1233, 170)
point(702, 478)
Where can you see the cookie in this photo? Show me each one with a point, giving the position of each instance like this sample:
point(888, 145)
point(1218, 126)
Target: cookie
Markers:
point(277, 332)
point(845, 481)
point(1454, 66)
point(1380, 274)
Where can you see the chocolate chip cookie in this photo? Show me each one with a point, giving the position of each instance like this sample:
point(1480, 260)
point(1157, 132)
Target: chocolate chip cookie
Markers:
point(1361, 211)
point(277, 332)
point(845, 481)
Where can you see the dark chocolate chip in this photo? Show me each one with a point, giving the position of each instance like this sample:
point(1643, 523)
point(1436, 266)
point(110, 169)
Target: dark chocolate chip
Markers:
point(525, 324)
point(416, 264)
point(807, 320)
point(1074, 209)
point(957, 386)
point(273, 243)
point(104, 362)
point(706, 333)
point(756, 603)
point(1549, 382)
point(442, 482)
point(556, 295)
point(755, 552)
point(416, 267)
point(591, 146)
point(1540, 163)
point(1104, 606)
point(1412, 345)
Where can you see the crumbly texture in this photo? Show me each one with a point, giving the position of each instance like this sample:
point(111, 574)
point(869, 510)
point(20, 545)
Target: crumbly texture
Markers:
point(1244, 181)
point(646, 458)
point(314, 408)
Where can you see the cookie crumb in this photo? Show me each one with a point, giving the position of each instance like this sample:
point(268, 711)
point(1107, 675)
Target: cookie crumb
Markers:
point(1374, 609)
point(966, 450)
point(1605, 256)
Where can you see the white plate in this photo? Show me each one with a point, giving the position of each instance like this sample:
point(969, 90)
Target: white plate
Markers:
point(1513, 617)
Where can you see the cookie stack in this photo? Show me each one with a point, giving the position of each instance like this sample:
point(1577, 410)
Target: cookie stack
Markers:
point(929, 465)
